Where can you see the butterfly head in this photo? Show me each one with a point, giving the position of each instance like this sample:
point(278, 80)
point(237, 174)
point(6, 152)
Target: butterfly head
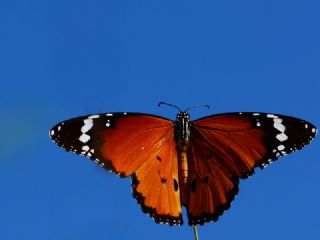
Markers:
point(183, 115)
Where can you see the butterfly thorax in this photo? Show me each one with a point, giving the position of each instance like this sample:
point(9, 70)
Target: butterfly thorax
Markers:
point(182, 129)
point(182, 137)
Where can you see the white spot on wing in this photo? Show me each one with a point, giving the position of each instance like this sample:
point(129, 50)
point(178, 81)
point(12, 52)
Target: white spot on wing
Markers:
point(256, 114)
point(278, 124)
point(108, 124)
point(52, 132)
point(314, 130)
point(281, 147)
point(282, 137)
point(88, 123)
point(84, 138)
point(109, 114)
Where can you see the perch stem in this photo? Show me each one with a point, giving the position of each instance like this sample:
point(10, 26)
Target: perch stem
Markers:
point(195, 232)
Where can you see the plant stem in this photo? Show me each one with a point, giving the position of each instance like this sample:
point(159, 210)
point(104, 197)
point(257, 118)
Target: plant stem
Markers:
point(195, 232)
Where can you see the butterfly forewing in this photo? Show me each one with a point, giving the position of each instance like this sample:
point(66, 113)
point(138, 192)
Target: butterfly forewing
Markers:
point(120, 142)
point(255, 139)
point(226, 147)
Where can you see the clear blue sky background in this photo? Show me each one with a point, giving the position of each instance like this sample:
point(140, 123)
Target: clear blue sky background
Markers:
point(60, 59)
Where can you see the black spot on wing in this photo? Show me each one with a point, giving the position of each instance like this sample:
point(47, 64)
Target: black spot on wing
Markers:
point(175, 184)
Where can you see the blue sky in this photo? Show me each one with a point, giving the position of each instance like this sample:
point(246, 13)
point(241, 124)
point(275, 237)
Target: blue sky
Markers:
point(60, 59)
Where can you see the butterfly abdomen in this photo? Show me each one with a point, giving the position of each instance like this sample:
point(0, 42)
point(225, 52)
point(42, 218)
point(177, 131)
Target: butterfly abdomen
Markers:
point(182, 138)
point(184, 170)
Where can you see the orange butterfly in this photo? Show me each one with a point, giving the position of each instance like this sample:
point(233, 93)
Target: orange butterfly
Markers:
point(195, 164)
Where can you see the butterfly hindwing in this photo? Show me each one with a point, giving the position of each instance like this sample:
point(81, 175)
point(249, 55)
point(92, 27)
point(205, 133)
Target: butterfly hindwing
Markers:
point(212, 185)
point(226, 147)
point(120, 142)
point(155, 184)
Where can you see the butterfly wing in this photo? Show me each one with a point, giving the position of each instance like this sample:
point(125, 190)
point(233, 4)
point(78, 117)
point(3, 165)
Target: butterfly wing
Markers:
point(155, 184)
point(227, 147)
point(128, 144)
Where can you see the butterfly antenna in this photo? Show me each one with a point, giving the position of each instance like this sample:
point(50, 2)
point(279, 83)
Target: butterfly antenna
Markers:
point(197, 106)
point(195, 232)
point(164, 103)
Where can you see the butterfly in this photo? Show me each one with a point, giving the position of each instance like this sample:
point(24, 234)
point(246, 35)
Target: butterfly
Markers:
point(183, 163)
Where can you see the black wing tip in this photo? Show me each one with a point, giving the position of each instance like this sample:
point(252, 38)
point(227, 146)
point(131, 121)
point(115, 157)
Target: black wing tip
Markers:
point(58, 135)
point(207, 217)
point(158, 218)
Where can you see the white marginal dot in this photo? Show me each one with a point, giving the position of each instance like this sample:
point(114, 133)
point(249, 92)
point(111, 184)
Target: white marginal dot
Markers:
point(109, 114)
point(314, 130)
point(59, 128)
point(94, 116)
point(124, 113)
point(52, 132)
point(85, 148)
point(256, 114)
point(271, 116)
point(281, 147)
point(108, 124)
